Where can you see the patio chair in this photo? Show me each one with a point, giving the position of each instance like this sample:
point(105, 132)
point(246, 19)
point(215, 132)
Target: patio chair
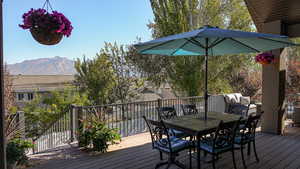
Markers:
point(220, 141)
point(246, 136)
point(166, 113)
point(239, 109)
point(189, 109)
point(168, 144)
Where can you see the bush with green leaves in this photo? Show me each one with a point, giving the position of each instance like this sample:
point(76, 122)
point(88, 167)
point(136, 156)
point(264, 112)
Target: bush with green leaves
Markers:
point(16, 151)
point(43, 111)
point(94, 133)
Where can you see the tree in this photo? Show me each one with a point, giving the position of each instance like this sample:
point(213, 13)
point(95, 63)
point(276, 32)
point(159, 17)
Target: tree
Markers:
point(96, 78)
point(127, 79)
point(110, 77)
point(42, 112)
point(186, 73)
point(248, 82)
point(293, 69)
point(9, 98)
point(11, 127)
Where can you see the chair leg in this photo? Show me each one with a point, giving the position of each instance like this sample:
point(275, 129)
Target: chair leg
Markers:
point(249, 149)
point(161, 164)
point(213, 161)
point(160, 155)
point(254, 148)
point(243, 158)
point(190, 151)
point(180, 165)
point(168, 166)
point(233, 159)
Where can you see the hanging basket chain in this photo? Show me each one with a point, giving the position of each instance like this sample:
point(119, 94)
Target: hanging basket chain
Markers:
point(47, 5)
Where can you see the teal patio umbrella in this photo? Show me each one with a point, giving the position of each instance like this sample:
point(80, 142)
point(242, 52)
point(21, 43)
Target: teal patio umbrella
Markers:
point(215, 41)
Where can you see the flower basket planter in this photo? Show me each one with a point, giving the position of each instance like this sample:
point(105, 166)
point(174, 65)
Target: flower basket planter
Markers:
point(46, 37)
point(46, 28)
point(265, 58)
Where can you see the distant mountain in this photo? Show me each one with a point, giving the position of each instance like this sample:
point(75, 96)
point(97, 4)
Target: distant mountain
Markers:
point(43, 66)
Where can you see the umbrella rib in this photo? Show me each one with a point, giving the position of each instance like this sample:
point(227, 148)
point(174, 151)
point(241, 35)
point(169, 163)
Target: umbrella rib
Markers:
point(245, 45)
point(215, 41)
point(197, 43)
point(152, 47)
point(276, 41)
point(215, 44)
point(179, 48)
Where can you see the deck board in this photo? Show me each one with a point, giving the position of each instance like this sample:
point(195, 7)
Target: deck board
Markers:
point(134, 152)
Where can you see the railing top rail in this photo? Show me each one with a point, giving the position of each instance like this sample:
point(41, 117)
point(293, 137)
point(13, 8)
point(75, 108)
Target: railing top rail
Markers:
point(138, 102)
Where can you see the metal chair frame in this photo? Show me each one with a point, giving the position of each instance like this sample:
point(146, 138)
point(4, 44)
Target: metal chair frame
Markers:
point(223, 136)
point(165, 113)
point(156, 128)
point(189, 109)
point(247, 136)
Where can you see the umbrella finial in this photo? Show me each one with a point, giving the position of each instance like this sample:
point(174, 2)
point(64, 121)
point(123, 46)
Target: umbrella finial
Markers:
point(208, 26)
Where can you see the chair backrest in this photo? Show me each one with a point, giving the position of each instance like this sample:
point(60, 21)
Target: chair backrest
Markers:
point(238, 109)
point(189, 109)
point(225, 134)
point(157, 129)
point(165, 113)
point(251, 124)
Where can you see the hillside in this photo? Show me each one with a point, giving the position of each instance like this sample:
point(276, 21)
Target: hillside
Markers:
point(43, 66)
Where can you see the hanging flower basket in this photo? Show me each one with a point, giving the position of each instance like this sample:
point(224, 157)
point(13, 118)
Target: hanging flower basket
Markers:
point(265, 58)
point(46, 28)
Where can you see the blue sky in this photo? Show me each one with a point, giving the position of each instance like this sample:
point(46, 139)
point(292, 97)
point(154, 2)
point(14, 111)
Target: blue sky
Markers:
point(94, 22)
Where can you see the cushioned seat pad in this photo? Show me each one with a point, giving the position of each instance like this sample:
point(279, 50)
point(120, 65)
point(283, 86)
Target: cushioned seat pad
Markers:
point(246, 139)
point(177, 144)
point(207, 146)
point(177, 133)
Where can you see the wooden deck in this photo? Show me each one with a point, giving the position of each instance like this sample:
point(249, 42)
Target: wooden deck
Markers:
point(275, 152)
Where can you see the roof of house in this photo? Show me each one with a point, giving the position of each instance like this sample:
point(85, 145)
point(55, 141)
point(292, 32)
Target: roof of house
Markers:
point(287, 11)
point(40, 83)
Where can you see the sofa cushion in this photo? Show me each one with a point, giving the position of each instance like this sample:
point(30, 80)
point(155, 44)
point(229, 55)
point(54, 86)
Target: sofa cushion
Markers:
point(230, 98)
point(238, 109)
point(245, 100)
point(238, 97)
point(252, 106)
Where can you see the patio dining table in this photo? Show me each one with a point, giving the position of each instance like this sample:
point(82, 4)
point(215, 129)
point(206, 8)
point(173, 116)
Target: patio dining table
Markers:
point(195, 125)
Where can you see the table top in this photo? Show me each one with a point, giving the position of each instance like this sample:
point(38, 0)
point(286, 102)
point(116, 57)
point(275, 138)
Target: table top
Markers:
point(196, 125)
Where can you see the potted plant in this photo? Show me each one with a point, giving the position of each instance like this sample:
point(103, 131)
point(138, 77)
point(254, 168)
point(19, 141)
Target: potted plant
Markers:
point(265, 58)
point(46, 28)
point(16, 152)
point(95, 134)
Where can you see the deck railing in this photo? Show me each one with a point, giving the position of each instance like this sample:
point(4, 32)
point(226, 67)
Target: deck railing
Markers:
point(56, 135)
point(127, 118)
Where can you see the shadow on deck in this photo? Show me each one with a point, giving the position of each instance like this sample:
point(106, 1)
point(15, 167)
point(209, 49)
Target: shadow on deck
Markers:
point(135, 152)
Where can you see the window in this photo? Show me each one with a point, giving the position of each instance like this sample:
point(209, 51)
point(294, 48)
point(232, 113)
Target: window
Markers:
point(30, 96)
point(20, 96)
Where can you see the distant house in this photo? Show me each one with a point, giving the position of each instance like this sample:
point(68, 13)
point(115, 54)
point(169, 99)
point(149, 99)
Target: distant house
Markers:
point(151, 92)
point(26, 87)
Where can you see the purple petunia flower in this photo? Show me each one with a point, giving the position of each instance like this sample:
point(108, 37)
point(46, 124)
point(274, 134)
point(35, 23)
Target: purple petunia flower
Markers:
point(265, 58)
point(51, 22)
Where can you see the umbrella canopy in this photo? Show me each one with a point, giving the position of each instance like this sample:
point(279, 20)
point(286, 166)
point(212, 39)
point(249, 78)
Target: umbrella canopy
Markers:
point(213, 41)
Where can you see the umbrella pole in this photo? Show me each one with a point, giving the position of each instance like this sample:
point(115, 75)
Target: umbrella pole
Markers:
point(206, 71)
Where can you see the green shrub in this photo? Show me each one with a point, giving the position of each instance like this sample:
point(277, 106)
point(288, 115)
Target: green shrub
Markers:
point(94, 133)
point(16, 151)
